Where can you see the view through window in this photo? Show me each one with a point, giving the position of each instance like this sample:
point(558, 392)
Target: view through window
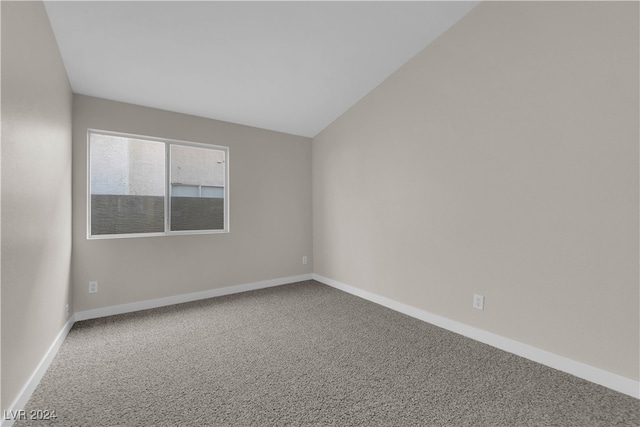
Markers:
point(142, 186)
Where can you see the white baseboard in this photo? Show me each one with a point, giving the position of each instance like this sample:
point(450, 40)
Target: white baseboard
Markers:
point(34, 380)
point(589, 373)
point(28, 389)
point(195, 296)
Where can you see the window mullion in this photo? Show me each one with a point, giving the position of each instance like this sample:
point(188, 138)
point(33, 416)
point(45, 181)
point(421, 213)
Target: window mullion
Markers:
point(167, 192)
point(125, 182)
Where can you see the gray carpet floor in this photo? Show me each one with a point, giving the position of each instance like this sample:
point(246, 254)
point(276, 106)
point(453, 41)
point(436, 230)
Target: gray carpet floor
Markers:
point(304, 354)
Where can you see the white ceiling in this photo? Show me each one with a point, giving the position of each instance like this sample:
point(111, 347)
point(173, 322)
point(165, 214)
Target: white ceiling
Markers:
point(292, 67)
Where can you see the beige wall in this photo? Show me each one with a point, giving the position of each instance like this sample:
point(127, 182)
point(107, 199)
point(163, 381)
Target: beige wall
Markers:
point(270, 212)
point(36, 192)
point(502, 160)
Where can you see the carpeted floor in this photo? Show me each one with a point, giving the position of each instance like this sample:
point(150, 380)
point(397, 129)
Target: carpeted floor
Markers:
point(304, 354)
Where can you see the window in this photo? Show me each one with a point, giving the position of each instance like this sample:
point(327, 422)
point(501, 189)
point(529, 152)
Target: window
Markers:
point(140, 186)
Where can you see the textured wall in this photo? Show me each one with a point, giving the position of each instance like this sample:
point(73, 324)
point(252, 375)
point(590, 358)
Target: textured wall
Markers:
point(36, 192)
point(194, 166)
point(507, 155)
point(124, 214)
point(270, 212)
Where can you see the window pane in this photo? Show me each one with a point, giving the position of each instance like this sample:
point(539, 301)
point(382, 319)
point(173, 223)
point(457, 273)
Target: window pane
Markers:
point(127, 185)
point(184, 190)
point(212, 192)
point(200, 168)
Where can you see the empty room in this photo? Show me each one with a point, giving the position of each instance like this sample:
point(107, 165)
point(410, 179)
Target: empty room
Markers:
point(320, 213)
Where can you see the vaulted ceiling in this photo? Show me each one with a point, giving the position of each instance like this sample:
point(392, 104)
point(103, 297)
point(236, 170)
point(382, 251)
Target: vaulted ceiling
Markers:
point(292, 67)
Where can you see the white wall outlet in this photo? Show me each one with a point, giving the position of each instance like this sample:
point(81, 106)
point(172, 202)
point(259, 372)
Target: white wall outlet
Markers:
point(66, 310)
point(93, 287)
point(478, 302)
point(305, 260)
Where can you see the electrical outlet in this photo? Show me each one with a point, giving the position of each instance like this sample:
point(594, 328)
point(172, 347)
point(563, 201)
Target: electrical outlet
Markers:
point(305, 260)
point(478, 302)
point(66, 309)
point(93, 287)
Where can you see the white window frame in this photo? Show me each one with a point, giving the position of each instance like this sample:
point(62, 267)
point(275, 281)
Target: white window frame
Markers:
point(167, 196)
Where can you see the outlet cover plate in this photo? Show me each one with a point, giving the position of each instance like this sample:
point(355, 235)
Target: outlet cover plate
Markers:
point(478, 302)
point(93, 287)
